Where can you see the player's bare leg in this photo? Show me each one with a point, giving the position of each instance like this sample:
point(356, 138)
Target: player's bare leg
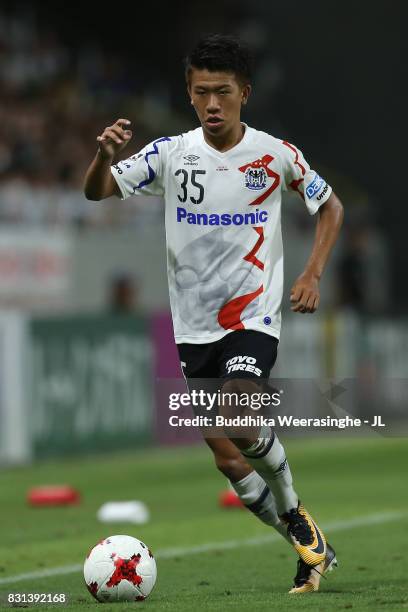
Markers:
point(264, 452)
point(248, 485)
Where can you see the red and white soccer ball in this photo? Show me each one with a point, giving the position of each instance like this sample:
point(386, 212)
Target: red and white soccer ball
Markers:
point(120, 568)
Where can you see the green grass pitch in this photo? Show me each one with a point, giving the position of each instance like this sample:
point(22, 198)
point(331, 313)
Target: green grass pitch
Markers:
point(342, 481)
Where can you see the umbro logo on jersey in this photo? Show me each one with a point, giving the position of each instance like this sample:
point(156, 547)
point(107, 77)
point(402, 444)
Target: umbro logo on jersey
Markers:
point(191, 160)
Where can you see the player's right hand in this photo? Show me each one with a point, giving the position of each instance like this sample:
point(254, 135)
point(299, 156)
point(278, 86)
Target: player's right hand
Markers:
point(114, 138)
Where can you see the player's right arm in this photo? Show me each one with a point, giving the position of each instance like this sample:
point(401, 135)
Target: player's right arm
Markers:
point(99, 181)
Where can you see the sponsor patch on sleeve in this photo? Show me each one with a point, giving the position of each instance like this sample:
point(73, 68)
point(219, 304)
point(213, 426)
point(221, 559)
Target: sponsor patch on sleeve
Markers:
point(317, 188)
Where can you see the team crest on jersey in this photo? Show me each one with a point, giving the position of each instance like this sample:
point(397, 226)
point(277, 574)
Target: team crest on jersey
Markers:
point(255, 178)
point(256, 174)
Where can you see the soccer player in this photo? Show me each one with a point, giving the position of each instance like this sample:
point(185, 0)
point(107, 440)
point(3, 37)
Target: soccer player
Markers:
point(222, 185)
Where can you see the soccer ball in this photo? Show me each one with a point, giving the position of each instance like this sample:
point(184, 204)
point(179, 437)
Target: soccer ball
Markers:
point(120, 568)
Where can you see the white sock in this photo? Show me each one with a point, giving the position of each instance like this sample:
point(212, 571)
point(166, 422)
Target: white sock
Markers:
point(267, 457)
point(257, 497)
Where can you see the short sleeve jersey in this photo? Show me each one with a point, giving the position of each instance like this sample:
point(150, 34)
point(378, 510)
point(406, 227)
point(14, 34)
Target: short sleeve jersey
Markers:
point(223, 226)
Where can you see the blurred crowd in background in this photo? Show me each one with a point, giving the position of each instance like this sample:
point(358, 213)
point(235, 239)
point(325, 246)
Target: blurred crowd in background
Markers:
point(57, 96)
point(55, 101)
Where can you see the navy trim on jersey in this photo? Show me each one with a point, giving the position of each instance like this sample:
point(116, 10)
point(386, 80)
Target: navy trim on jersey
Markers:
point(152, 174)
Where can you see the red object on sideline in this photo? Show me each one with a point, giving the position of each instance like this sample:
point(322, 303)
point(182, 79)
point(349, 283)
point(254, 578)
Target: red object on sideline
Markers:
point(229, 499)
point(53, 495)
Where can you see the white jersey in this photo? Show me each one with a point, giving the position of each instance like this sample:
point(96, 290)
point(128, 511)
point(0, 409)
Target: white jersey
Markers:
point(223, 226)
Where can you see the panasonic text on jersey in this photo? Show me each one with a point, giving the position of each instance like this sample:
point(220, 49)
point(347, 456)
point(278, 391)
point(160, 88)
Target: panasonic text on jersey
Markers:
point(250, 218)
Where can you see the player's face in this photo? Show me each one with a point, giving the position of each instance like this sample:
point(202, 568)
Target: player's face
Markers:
point(217, 98)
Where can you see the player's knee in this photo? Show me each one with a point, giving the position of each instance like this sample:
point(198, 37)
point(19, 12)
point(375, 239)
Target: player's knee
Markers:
point(231, 393)
point(234, 390)
point(238, 385)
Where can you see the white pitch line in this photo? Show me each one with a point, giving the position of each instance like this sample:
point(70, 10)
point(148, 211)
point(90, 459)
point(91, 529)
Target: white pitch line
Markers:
point(171, 553)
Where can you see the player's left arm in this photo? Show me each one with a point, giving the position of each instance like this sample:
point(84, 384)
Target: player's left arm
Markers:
point(305, 294)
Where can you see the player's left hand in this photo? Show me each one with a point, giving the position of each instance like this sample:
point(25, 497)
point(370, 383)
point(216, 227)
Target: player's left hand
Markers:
point(305, 294)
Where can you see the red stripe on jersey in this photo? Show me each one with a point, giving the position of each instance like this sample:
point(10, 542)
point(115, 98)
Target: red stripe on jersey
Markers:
point(296, 152)
point(251, 257)
point(229, 317)
point(295, 186)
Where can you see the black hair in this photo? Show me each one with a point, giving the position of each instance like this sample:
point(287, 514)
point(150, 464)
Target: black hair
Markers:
point(221, 53)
